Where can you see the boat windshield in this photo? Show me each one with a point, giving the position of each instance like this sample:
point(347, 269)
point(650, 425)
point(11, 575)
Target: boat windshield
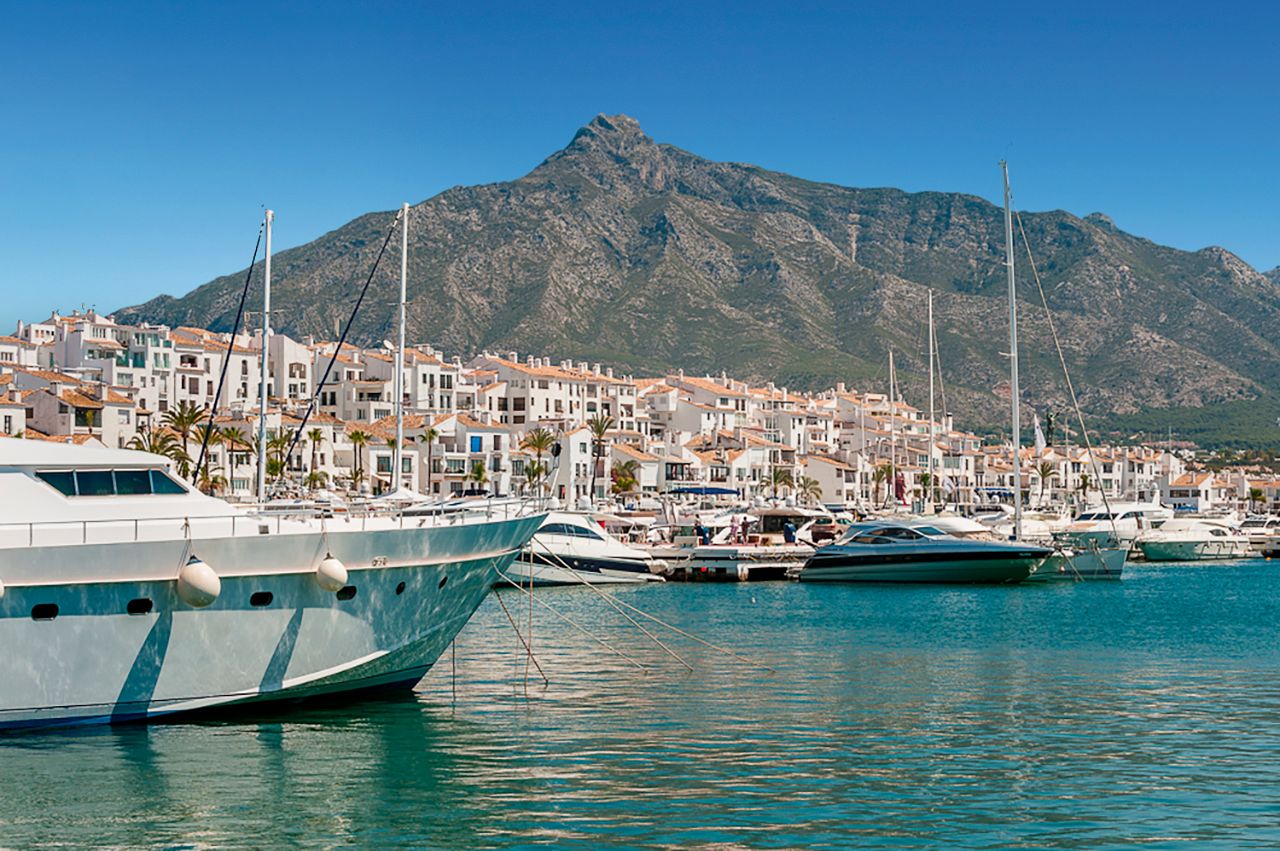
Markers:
point(1095, 515)
point(880, 535)
point(570, 530)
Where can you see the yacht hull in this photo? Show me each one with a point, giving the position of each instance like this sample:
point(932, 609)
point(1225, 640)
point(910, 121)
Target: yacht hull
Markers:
point(1209, 550)
point(570, 570)
point(272, 633)
point(963, 568)
point(1099, 564)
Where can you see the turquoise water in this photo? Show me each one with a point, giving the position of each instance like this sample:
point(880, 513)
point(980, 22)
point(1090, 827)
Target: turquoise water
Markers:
point(1146, 711)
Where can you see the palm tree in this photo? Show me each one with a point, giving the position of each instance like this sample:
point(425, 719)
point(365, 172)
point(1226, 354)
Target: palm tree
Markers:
point(1045, 470)
point(534, 472)
point(1255, 496)
point(780, 478)
point(599, 426)
point(234, 440)
point(539, 441)
point(181, 420)
point(879, 477)
point(926, 481)
point(316, 436)
point(210, 436)
point(317, 479)
point(429, 435)
point(1084, 486)
point(359, 439)
point(809, 489)
point(624, 476)
point(211, 480)
point(154, 441)
point(277, 446)
point(478, 474)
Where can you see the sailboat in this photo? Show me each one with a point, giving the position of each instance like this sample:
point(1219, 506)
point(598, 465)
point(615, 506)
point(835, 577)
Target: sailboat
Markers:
point(1088, 562)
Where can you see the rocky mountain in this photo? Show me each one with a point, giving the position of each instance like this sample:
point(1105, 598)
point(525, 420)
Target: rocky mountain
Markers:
point(646, 257)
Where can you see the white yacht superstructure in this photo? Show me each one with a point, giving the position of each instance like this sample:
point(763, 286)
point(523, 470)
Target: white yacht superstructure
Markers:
point(124, 594)
point(571, 548)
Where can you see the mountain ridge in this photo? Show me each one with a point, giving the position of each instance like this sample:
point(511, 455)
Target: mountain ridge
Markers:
point(646, 257)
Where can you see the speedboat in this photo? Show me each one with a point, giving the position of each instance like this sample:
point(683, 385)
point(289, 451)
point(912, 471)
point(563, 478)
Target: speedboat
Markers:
point(1193, 539)
point(126, 595)
point(571, 549)
point(898, 552)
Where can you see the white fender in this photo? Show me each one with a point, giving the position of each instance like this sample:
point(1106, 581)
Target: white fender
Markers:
point(331, 574)
point(198, 584)
point(1, 589)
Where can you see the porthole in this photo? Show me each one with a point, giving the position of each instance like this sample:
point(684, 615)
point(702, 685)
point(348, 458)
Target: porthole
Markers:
point(399, 589)
point(346, 592)
point(261, 598)
point(44, 611)
point(140, 606)
point(443, 580)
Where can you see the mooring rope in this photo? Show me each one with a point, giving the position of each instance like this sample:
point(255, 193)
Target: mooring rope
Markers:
point(512, 621)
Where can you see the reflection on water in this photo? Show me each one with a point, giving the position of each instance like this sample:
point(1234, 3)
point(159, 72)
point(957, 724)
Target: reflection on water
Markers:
point(1081, 715)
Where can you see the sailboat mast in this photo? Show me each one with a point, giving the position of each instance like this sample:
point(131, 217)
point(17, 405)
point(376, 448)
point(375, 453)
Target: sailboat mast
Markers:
point(397, 463)
point(932, 440)
point(893, 431)
point(265, 375)
point(1014, 391)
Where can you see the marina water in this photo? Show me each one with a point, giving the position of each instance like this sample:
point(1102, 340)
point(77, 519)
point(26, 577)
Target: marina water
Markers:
point(1144, 711)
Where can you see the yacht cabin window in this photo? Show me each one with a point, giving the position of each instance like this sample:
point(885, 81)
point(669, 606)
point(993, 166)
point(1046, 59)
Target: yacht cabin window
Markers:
point(111, 482)
point(570, 530)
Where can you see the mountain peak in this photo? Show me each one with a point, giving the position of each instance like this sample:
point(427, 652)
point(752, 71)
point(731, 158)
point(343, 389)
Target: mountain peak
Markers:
point(615, 134)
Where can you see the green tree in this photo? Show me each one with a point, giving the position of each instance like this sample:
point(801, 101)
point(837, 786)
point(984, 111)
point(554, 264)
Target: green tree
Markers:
point(809, 489)
point(539, 441)
point(780, 479)
point(599, 425)
point(479, 474)
point(359, 440)
point(624, 476)
point(1046, 471)
point(879, 476)
point(429, 436)
point(316, 436)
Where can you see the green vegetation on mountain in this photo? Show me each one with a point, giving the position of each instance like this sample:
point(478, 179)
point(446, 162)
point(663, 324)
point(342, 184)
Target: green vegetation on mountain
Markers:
point(645, 257)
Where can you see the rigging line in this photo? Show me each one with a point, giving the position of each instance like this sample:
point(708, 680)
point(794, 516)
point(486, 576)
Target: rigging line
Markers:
point(512, 621)
point(1053, 331)
point(671, 627)
point(575, 624)
point(226, 359)
point(608, 599)
point(342, 339)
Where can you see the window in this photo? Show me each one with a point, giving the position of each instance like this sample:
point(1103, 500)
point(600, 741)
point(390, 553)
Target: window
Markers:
point(133, 482)
point(61, 480)
point(346, 592)
point(140, 606)
point(261, 598)
point(44, 611)
point(569, 530)
point(94, 483)
point(475, 443)
point(162, 484)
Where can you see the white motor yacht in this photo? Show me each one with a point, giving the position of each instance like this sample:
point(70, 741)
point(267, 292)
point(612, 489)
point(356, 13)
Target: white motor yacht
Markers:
point(1118, 526)
point(1261, 529)
point(1193, 539)
point(571, 548)
point(126, 595)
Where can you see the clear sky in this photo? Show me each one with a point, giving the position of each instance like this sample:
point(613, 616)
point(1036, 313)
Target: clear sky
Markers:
point(138, 142)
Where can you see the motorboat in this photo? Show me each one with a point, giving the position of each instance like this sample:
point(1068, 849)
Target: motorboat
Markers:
point(126, 595)
point(1118, 525)
point(1194, 539)
point(1261, 529)
point(572, 548)
point(897, 552)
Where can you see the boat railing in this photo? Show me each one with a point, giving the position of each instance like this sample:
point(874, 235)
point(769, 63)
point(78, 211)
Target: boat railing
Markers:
point(45, 533)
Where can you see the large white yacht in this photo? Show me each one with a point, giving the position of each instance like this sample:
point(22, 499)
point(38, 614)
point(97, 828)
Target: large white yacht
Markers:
point(125, 594)
point(1116, 526)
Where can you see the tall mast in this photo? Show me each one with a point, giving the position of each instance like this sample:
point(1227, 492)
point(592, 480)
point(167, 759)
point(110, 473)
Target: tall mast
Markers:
point(862, 425)
point(1014, 391)
point(265, 373)
point(397, 464)
point(933, 488)
point(893, 432)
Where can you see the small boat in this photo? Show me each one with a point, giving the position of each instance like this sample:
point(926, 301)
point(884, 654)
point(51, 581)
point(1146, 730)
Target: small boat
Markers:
point(571, 548)
point(1193, 539)
point(1094, 563)
point(896, 552)
point(763, 551)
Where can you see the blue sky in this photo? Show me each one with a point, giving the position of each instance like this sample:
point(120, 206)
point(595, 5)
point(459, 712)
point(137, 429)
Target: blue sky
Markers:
point(139, 141)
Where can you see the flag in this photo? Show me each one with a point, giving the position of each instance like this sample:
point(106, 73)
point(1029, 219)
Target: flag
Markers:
point(948, 486)
point(1040, 444)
